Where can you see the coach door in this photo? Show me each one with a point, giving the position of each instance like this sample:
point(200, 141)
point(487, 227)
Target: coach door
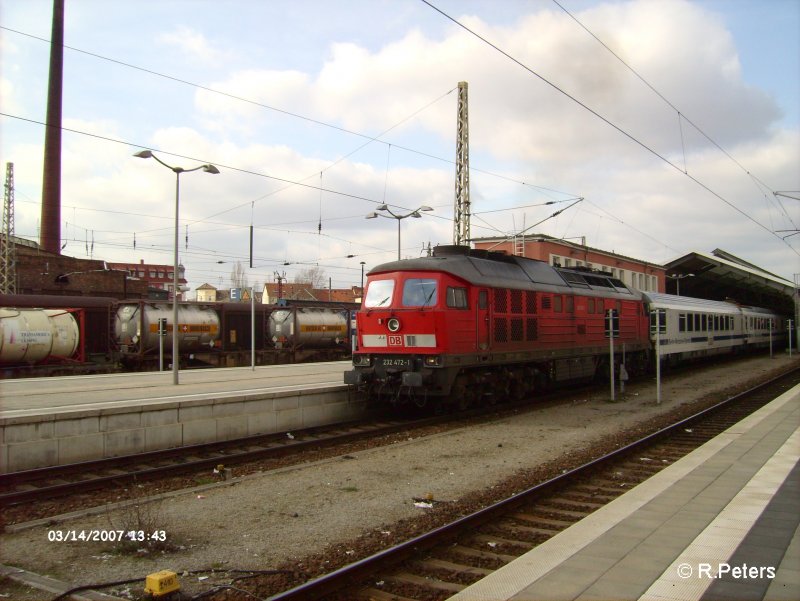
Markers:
point(483, 319)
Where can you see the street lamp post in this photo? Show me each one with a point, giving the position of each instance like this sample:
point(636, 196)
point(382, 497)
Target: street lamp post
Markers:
point(208, 168)
point(415, 214)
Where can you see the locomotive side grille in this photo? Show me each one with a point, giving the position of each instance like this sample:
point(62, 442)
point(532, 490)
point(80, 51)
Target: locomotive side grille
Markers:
point(516, 301)
point(532, 329)
point(500, 329)
point(530, 303)
point(501, 300)
point(547, 302)
point(517, 330)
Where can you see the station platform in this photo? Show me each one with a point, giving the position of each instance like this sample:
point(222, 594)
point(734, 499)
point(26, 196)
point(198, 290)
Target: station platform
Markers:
point(719, 524)
point(53, 421)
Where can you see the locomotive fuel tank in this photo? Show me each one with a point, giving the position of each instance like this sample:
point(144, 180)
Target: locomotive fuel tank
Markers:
point(32, 335)
point(137, 327)
point(314, 327)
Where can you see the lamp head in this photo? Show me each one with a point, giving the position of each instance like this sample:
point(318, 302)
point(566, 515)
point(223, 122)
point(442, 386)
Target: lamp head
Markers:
point(425, 208)
point(144, 154)
point(382, 208)
point(210, 169)
point(371, 216)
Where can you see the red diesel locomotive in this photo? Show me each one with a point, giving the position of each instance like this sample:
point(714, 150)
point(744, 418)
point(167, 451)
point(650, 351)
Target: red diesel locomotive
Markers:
point(466, 325)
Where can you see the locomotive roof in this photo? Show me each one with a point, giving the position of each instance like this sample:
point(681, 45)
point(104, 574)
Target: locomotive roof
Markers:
point(498, 270)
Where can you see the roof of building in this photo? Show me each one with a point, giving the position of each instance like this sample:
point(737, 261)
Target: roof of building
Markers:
point(720, 275)
point(570, 244)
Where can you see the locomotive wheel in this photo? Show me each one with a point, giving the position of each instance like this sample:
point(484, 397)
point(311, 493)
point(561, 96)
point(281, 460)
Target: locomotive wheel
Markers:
point(461, 395)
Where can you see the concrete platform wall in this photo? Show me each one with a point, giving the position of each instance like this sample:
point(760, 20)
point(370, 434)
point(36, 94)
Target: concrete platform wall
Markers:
point(73, 436)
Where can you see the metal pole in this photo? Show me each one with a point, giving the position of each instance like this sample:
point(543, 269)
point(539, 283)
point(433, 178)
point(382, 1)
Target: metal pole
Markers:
point(658, 357)
point(175, 354)
point(770, 338)
point(252, 328)
point(161, 347)
point(611, 347)
point(398, 238)
point(790, 337)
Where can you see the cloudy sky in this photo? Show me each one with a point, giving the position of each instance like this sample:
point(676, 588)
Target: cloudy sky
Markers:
point(317, 112)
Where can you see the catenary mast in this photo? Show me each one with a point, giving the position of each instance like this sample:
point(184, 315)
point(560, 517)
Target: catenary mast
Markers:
point(461, 230)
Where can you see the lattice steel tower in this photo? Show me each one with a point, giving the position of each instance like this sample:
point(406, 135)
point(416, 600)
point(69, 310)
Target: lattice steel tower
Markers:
point(461, 232)
point(8, 272)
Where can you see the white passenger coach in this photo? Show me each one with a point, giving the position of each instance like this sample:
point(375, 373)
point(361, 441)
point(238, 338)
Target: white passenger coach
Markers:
point(698, 327)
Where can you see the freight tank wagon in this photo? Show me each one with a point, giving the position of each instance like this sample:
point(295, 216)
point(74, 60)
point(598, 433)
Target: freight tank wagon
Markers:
point(136, 328)
point(29, 336)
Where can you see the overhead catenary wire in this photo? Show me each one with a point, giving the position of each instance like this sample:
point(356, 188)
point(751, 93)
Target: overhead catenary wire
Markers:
point(607, 121)
point(681, 117)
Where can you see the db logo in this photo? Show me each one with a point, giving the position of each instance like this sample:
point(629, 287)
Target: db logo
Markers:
point(395, 340)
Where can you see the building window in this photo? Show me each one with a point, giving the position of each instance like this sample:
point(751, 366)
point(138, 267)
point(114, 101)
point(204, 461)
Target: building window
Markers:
point(161, 274)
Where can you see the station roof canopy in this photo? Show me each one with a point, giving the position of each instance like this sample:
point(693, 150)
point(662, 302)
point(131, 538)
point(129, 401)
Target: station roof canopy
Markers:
point(721, 275)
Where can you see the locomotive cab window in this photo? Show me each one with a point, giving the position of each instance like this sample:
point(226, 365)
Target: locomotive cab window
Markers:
point(419, 292)
point(379, 294)
point(456, 297)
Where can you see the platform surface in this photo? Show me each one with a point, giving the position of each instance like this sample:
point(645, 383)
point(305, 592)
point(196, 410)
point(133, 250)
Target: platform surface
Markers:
point(719, 524)
point(52, 395)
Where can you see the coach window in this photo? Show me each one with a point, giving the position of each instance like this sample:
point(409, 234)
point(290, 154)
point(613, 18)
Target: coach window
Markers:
point(379, 294)
point(456, 297)
point(419, 292)
point(682, 322)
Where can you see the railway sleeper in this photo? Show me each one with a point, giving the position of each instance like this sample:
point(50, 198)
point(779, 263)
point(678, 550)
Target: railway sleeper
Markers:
point(480, 540)
point(456, 568)
point(425, 582)
point(537, 532)
point(602, 494)
point(579, 500)
point(563, 513)
point(535, 519)
point(479, 555)
point(374, 594)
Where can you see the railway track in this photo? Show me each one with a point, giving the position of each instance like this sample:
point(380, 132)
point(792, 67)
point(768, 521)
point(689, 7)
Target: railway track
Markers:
point(48, 483)
point(439, 563)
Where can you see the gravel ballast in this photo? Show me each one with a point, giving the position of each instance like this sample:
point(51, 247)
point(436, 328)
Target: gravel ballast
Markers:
point(263, 521)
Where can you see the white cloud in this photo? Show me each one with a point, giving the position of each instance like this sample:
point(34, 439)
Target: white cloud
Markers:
point(519, 127)
point(193, 44)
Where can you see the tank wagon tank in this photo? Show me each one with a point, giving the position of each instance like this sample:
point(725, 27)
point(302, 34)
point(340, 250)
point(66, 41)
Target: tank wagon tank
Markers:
point(29, 335)
point(136, 327)
point(314, 327)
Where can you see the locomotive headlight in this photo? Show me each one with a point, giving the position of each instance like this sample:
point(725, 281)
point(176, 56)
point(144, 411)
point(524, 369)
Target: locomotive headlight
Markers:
point(433, 361)
point(362, 360)
point(393, 324)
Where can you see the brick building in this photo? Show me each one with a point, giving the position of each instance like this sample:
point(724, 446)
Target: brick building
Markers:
point(156, 277)
point(41, 272)
point(305, 292)
point(635, 273)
